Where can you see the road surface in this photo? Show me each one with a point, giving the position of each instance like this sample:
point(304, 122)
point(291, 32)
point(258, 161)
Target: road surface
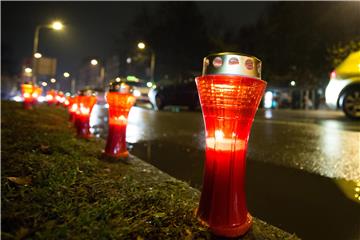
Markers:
point(303, 167)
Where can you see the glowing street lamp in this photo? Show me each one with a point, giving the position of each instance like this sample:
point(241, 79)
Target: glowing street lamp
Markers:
point(230, 90)
point(141, 45)
point(120, 101)
point(28, 70)
point(27, 89)
point(37, 55)
point(56, 25)
point(86, 101)
point(66, 74)
point(53, 80)
point(94, 62)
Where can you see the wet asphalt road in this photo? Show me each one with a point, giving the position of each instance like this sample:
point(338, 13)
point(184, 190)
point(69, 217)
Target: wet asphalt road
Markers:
point(303, 167)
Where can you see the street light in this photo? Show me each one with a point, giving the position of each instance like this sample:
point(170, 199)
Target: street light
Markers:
point(53, 80)
point(37, 55)
point(66, 74)
point(94, 62)
point(57, 25)
point(142, 46)
point(28, 70)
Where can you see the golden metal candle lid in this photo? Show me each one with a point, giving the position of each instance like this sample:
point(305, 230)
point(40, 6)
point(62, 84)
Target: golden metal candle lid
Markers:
point(86, 92)
point(230, 63)
point(120, 86)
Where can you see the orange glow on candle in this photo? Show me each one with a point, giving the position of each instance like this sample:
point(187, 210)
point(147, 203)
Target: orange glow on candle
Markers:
point(85, 103)
point(119, 106)
point(26, 91)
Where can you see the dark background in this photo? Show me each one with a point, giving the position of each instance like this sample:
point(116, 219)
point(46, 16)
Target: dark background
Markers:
point(301, 41)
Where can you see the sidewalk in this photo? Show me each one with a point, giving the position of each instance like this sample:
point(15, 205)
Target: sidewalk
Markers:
point(55, 186)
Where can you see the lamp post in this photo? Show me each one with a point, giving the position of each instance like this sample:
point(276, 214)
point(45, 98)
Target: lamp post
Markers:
point(67, 76)
point(55, 26)
point(230, 90)
point(95, 62)
point(142, 46)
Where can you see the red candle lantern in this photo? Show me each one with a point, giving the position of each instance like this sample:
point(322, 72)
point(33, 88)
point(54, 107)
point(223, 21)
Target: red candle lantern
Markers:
point(27, 89)
point(86, 101)
point(67, 101)
point(120, 101)
point(230, 90)
point(73, 107)
point(36, 93)
point(51, 96)
point(60, 98)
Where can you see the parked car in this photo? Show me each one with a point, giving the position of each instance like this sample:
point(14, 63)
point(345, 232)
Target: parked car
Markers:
point(184, 94)
point(343, 90)
point(140, 90)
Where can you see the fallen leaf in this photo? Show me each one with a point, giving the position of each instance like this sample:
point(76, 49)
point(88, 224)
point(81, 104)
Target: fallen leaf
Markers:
point(20, 180)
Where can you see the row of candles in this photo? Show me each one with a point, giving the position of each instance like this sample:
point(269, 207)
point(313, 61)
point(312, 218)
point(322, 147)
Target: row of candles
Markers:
point(230, 90)
point(119, 98)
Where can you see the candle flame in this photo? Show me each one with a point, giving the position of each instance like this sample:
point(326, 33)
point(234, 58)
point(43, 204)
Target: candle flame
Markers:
point(74, 107)
point(120, 119)
point(84, 110)
point(219, 134)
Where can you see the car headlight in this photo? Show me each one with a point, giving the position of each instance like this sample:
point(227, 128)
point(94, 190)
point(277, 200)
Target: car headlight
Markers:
point(137, 93)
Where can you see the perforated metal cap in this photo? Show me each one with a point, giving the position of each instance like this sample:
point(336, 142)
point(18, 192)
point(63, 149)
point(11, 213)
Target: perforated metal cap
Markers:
point(230, 63)
point(119, 86)
point(86, 92)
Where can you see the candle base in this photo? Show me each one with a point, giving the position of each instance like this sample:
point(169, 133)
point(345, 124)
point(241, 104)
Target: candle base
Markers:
point(116, 142)
point(83, 127)
point(123, 155)
point(235, 231)
point(225, 231)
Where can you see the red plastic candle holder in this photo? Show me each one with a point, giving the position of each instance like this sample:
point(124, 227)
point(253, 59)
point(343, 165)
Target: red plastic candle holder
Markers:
point(72, 108)
point(51, 97)
point(120, 101)
point(36, 94)
point(60, 98)
point(230, 91)
point(85, 101)
point(27, 91)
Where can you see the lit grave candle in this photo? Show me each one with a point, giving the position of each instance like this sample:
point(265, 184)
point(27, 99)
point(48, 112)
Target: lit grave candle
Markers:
point(230, 91)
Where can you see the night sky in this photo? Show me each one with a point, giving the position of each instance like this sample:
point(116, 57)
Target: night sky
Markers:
point(92, 26)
